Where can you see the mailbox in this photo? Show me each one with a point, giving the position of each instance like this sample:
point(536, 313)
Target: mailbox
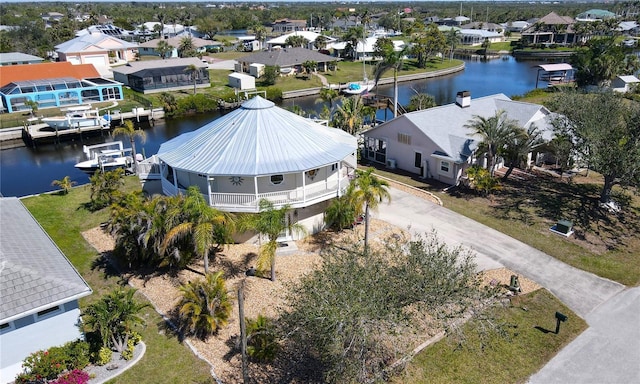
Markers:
point(561, 317)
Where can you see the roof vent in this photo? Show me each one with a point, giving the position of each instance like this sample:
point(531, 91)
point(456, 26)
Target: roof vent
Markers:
point(463, 99)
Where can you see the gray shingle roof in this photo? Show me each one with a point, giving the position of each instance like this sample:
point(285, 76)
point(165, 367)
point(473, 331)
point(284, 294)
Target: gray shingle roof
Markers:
point(445, 125)
point(258, 138)
point(34, 273)
point(287, 57)
point(135, 66)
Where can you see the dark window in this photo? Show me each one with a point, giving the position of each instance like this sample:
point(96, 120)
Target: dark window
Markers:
point(418, 160)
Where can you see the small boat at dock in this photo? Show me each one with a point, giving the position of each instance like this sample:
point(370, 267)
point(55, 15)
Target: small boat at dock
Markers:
point(105, 157)
point(358, 87)
point(77, 117)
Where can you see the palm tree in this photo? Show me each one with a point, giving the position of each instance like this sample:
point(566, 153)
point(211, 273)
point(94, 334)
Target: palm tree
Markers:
point(349, 115)
point(494, 133)
point(328, 95)
point(296, 41)
point(203, 226)
point(270, 222)
point(65, 184)
point(114, 316)
point(369, 191)
point(453, 39)
point(518, 146)
point(163, 48)
point(341, 213)
point(321, 42)
point(131, 132)
point(205, 306)
point(186, 47)
point(192, 70)
point(391, 59)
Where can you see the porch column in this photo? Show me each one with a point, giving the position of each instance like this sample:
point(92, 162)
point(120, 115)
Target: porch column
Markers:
point(255, 186)
point(339, 179)
point(304, 187)
point(209, 180)
point(175, 181)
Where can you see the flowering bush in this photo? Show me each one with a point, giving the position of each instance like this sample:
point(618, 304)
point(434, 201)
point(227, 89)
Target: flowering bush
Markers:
point(76, 376)
point(41, 366)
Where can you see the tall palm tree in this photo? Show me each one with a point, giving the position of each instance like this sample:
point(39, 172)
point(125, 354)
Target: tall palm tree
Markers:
point(328, 95)
point(131, 133)
point(205, 306)
point(65, 184)
point(494, 133)
point(391, 59)
point(349, 115)
point(369, 192)
point(453, 39)
point(186, 48)
point(203, 226)
point(270, 222)
point(192, 70)
point(518, 146)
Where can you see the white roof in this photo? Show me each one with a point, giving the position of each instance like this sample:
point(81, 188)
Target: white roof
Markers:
point(556, 67)
point(256, 139)
point(480, 32)
point(369, 44)
point(629, 79)
point(98, 40)
point(311, 36)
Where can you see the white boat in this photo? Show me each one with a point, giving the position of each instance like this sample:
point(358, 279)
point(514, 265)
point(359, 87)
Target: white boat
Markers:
point(105, 157)
point(77, 117)
point(358, 87)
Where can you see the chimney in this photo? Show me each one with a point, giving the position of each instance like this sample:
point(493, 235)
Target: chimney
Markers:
point(463, 99)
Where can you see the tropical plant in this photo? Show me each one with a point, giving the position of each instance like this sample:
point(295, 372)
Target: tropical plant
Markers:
point(114, 317)
point(105, 187)
point(129, 130)
point(341, 212)
point(321, 42)
point(369, 192)
point(262, 343)
point(164, 49)
point(203, 226)
point(186, 48)
point(494, 132)
point(271, 73)
point(391, 59)
point(169, 102)
point(296, 41)
point(453, 37)
point(32, 105)
point(426, 43)
point(310, 66)
point(349, 115)
point(421, 101)
point(562, 149)
point(205, 306)
point(193, 71)
point(65, 184)
point(330, 96)
point(270, 222)
point(481, 180)
point(519, 145)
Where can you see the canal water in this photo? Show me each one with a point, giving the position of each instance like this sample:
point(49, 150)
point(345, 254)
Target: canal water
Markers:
point(26, 171)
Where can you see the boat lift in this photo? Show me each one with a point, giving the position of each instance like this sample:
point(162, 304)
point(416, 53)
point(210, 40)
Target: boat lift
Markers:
point(561, 73)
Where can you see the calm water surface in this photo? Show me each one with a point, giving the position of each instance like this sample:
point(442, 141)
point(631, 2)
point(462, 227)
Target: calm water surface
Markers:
point(26, 171)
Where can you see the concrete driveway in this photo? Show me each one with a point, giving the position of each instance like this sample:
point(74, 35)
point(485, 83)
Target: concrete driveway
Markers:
point(607, 352)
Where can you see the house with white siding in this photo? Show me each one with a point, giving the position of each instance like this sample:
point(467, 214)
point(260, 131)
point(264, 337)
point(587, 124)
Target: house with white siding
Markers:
point(40, 290)
point(435, 143)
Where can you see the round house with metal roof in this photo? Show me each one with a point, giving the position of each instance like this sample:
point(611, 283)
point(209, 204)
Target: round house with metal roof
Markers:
point(260, 151)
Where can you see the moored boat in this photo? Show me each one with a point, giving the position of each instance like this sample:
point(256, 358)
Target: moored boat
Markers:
point(77, 117)
point(358, 87)
point(105, 157)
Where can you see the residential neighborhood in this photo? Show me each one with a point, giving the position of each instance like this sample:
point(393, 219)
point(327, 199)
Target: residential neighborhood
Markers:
point(319, 192)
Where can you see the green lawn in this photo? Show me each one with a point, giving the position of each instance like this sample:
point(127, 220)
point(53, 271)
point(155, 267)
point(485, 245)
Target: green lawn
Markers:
point(524, 342)
point(65, 217)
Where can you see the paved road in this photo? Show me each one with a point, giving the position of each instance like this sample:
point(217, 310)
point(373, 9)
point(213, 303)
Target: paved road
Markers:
point(579, 290)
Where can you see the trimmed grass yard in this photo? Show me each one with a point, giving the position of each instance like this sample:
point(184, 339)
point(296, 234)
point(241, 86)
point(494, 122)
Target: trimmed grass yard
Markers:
point(526, 341)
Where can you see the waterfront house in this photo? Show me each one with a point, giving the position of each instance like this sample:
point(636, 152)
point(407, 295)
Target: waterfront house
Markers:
point(434, 143)
point(552, 28)
point(289, 60)
point(103, 51)
point(288, 25)
point(40, 290)
point(310, 36)
point(54, 85)
point(163, 75)
point(261, 151)
point(364, 48)
point(595, 15)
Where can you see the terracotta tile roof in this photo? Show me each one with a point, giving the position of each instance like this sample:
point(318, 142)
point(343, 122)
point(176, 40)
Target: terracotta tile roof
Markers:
point(11, 73)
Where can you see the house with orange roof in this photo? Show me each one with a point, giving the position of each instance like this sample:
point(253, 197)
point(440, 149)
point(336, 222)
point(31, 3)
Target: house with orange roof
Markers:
point(58, 84)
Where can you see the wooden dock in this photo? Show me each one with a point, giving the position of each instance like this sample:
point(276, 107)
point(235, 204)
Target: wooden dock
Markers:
point(34, 133)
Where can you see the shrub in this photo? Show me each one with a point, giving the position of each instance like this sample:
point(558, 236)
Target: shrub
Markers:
point(43, 365)
point(104, 356)
point(274, 94)
point(127, 354)
point(261, 339)
point(76, 376)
